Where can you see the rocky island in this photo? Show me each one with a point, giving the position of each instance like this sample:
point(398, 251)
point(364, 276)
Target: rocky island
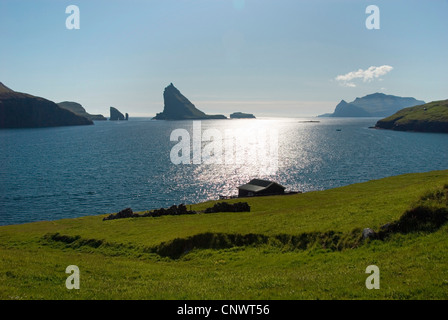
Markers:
point(22, 110)
point(116, 115)
point(78, 109)
point(241, 115)
point(178, 107)
point(373, 105)
point(430, 117)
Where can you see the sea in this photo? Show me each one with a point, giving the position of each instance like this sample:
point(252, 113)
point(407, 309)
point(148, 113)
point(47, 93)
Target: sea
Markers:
point(144, 164)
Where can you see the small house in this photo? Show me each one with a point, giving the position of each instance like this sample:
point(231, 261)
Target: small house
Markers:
point(258, 187)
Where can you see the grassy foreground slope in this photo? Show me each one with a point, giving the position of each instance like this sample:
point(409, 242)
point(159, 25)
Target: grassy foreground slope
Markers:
point(305, 246)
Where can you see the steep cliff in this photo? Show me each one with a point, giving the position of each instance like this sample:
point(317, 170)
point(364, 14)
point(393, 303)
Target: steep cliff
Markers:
point(21, 110)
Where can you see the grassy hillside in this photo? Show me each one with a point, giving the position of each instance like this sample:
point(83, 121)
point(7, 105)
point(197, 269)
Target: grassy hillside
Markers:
point(304, 246)
point(430, 117)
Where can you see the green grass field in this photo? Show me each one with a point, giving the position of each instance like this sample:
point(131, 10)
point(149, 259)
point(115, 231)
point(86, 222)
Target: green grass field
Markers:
point(304, 246)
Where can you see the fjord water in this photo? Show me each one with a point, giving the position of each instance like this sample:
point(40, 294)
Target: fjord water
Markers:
point(68, 172)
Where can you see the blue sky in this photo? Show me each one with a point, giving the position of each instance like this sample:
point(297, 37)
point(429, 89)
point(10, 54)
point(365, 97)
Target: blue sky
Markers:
point(267, 57)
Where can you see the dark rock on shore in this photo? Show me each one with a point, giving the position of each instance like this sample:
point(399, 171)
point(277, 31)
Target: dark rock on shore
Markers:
point(178, 107)
point(172, 211)
point(22, 110)
point(229, 207)
point(181, 209)
point(126, 213)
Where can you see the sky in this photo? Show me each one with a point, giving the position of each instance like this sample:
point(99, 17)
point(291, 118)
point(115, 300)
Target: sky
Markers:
point(283, 58)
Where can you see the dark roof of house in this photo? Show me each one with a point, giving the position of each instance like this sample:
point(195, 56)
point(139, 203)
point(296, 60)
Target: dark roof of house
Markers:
point(256, 185)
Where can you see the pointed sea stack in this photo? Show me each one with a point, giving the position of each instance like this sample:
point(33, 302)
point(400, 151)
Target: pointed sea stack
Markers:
point(22, 110)
point(178, 107)
point(115, 114)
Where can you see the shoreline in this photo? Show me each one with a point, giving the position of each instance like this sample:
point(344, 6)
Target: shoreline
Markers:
point(230, 200)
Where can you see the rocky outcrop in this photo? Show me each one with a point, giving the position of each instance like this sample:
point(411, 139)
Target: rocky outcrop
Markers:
point(22, 110)
point(78, 109)
point(368, 233)
point(373, 105)
point(178, 107)
point(181, 209)
point(125, 213)
point(117, 115)
point(228, 207)
point(171, 211)
point(241, 115)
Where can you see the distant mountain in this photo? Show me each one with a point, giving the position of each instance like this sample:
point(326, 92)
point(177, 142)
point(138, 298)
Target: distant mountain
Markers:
point(430, 117)
point(178, 107)
point(117, 115)
point(373, 105)
point(241, 115)
point(22, 110)
point(344, 109)
point(78, 109)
